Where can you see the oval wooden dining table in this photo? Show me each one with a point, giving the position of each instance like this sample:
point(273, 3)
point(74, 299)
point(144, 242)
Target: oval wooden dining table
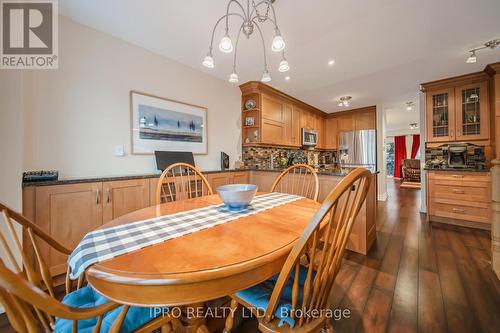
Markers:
point(204, 265)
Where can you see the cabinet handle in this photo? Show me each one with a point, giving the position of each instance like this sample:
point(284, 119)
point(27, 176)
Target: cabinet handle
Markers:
point(458, 210)
point(457, 191)
point(108, 194)
point(458, 176)
point(97, 197)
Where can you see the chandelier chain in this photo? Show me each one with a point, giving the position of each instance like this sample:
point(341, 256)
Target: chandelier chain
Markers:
point(259, 16)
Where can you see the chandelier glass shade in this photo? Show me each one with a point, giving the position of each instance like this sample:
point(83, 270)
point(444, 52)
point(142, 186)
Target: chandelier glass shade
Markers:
point(252, 16)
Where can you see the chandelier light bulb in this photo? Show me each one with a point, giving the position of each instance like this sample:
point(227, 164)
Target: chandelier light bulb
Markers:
point(226, 45)
point(278, 43)
point(233, 78)
point(284, 67)
point(208, 61)
point(266, 77)
point(472, 58)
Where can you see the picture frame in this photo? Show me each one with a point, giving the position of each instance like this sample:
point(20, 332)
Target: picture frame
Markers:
point(159, 123)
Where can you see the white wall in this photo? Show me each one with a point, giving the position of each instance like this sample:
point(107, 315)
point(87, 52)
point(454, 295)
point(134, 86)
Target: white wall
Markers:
point(381, 155)
point(76, 115)
point(11, 138)
point(11, 149)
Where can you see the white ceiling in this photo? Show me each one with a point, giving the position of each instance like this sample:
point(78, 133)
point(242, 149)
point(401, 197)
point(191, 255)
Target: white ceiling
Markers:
point(383, 49)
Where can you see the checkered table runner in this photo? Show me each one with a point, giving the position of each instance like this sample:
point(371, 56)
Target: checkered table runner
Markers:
point(104, 244)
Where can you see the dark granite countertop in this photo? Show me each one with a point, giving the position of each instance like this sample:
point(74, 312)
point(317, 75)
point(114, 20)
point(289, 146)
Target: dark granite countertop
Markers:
point(108, 178)
point(65, 181)
point(457, 170)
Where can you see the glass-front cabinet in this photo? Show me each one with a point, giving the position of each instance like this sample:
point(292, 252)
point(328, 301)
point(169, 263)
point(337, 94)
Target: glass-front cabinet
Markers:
point(441, 115)
point(472, 112)
point(458, 114)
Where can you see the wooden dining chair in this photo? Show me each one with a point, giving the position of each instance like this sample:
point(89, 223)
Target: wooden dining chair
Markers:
point(299, 179)
point(285, 302)
point(181, 181)
point(28, 294)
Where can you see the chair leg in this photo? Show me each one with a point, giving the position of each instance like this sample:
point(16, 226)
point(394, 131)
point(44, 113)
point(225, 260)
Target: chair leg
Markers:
point(230, 317)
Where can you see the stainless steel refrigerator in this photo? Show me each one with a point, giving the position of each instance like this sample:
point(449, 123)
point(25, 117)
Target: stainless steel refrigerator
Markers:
point(358, 148)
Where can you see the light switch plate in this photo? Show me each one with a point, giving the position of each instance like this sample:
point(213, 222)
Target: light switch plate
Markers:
point(120, 150)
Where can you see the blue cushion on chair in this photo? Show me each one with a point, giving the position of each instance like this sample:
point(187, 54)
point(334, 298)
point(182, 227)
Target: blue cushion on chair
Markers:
point(88, 297)
point(258, 296)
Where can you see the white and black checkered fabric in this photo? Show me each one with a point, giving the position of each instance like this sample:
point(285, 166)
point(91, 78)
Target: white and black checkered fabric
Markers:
point(104, 244)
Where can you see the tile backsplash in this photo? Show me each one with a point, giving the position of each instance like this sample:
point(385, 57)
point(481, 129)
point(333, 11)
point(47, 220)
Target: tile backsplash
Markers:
point(437, 157)
point(260, 157)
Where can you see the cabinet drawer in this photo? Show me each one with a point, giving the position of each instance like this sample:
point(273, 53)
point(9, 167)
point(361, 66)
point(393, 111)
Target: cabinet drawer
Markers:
point(453, 177)
point(480, 212)
point(460, 192)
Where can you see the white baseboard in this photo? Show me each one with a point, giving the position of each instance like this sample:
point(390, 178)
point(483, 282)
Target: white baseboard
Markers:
point(382, 197)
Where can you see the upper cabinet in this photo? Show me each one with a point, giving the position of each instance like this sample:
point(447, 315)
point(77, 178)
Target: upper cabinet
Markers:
point(365, 120)
point(331, 133)
point(441, 115)
point(472, 112)
point(457, 109)
point(346, 122)
point(274, 118)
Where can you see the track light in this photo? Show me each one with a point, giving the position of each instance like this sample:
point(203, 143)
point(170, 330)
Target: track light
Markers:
point(472, 58)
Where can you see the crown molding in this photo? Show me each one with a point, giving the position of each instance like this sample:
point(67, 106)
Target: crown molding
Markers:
point(493, 69)
point(454, 81)
point(371, 108)
point(259, 87)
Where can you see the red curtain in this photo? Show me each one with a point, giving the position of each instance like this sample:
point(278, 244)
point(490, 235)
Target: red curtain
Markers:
point(399, 154)
point(415, 145)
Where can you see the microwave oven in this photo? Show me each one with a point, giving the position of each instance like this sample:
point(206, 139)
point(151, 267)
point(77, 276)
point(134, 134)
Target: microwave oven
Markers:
point(309, 137)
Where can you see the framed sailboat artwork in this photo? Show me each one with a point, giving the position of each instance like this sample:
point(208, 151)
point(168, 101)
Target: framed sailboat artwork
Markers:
point(163, 124)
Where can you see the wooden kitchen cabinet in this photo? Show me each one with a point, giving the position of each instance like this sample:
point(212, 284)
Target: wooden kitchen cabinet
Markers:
point(458, 197)
point(440, 117)
point(124, 196)
point(273, 121)
point(278, 117)
point(331, 133)
point(218, 179)
point(365, 120)
point(239, 177)
point(307, 120)
point(66, 213)
point(472, 112)
point(346, 123)
point(457, 109)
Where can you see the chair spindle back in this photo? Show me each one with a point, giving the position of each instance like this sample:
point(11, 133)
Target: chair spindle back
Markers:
point(34, 269)
point(331, 225)
point(299, 179)
point(181, 181)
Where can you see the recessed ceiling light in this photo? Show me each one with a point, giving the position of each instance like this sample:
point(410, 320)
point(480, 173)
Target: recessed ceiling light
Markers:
point(331, 62)
point(287, 78)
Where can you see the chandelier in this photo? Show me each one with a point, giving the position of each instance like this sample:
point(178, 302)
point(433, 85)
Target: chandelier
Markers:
point(253, 16)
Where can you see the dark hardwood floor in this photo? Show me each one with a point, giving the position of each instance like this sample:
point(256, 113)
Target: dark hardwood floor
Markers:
point(416, 278)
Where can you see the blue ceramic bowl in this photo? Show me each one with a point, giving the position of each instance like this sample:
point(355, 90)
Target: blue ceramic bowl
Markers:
point(237, 196)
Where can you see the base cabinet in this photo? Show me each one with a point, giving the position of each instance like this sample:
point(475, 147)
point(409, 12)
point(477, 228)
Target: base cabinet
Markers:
point(462, 198)
point(124, 196)
point(224, 178)
point(67, 213)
